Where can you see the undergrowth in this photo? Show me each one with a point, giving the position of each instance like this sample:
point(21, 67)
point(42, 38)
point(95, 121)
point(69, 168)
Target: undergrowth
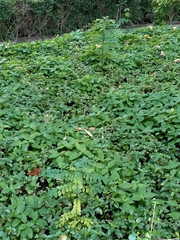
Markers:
point(89, 135)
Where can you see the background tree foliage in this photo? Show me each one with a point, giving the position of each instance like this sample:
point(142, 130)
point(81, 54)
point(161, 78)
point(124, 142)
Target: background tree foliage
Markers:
point(166, 9)
point(39, 18)
point(28, 18)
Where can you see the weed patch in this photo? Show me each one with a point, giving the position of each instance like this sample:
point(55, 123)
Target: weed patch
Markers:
point(90, 135)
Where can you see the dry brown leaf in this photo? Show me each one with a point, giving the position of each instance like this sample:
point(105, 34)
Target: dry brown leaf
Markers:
point(34, 172)
point(80, 129)
point(177, 60)
point(91, 128)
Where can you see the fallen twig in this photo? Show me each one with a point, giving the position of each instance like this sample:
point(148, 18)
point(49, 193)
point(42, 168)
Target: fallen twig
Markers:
point(83, 129)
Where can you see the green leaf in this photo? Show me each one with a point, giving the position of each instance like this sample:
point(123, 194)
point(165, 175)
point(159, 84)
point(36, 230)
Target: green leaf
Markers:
point(132, 237)
point(100, 154)
point(111, 163)
point(29, 233)
point(125, 185)
point(114, 175)
point(175, 215)
point(99, 165)
point(59, 160)
point(172, 203)
point(172, 164)
point(104, 171)
point(22, 226)
point(54, 154)
point(21, 205)
point(136, 197)
point(16, 223)
point(41, 223)
point(6, 189)
point(33, 126)
point(30, 201)
point(35, 215)
point(126, 207)
point(149, 195)
point(80, 147)
point(23, 218)
point(74, 155)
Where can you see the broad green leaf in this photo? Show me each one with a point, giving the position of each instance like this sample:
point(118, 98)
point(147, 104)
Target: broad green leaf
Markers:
point(172, 203)
point(99, 165)
point(125, 185)
point(23, 218)
point(126, 207)
point(16, 222)
point(73, 155)
point(22, 226)
point(54, 154)
point(21, 205)
point(132, 236)
point(29, 232)
point(136, 197)
point(172, 165)
point(175, 215)
point(41, 223)
point(114, 175)
point(104, 171)
point(100, 153)
point(35, 215)
point(111, 163)
point(149, 195)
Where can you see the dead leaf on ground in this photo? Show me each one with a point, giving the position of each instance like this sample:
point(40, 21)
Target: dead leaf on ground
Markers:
point(34, 172)
point(80, 129)
point(91, 128)
point(177, 60)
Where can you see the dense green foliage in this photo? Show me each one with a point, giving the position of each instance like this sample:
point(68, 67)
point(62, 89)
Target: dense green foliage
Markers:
point(99, 113)
point(28, 18)
point(166, 9)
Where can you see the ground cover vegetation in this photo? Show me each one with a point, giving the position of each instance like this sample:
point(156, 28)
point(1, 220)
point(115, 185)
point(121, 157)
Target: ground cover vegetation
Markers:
point(89, 135)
